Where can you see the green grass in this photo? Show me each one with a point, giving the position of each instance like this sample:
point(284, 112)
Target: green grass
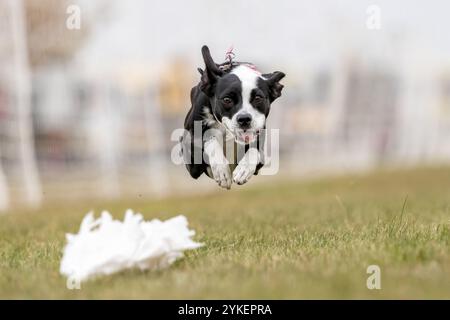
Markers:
point(287, 239)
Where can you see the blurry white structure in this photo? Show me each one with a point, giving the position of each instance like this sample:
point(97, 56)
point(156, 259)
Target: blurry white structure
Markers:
point(16, 69)
point(158, 178)
point(4, 192)
point(22, 79)
point(104, 139)
point(4, 22)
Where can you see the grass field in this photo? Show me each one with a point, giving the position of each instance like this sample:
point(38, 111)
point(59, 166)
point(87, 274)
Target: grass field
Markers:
point(289, 239)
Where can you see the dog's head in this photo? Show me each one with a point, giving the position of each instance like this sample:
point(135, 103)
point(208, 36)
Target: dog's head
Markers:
point(240, 96)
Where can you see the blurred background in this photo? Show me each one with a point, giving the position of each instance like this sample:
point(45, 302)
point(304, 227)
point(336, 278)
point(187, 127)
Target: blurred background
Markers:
point(91, 91)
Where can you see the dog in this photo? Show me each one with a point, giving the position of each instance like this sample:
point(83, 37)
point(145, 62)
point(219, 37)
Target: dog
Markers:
point(229, 106)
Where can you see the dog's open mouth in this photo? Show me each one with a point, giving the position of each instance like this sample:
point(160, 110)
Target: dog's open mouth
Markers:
point(246, 136)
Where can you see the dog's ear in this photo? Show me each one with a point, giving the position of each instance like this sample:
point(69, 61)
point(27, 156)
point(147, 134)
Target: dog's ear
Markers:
point(273, 81)
point(210, 74)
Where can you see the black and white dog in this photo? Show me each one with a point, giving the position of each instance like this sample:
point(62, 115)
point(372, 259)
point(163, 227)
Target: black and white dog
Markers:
point(230, 106)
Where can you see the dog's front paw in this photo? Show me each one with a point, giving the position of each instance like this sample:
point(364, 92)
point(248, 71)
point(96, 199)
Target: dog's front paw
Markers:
point(222, 174)
point(243, 172)
point(246, 167)
point(219, 165)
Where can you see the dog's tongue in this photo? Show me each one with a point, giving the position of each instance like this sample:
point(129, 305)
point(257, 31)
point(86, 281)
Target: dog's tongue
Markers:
point(248, 136)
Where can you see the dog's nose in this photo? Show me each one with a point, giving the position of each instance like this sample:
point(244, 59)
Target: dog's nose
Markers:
point(244, 120)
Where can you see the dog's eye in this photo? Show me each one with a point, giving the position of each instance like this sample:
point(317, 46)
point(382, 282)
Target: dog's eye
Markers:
point(227, 101)
point(258, 99)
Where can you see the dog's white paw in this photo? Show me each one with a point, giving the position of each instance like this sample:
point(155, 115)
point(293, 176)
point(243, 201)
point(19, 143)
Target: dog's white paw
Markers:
point(219, 165)
point(222, 174)
point(243, 172)
point(246, 167)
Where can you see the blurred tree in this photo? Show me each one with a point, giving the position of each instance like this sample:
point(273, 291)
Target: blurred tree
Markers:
point(175, 85)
